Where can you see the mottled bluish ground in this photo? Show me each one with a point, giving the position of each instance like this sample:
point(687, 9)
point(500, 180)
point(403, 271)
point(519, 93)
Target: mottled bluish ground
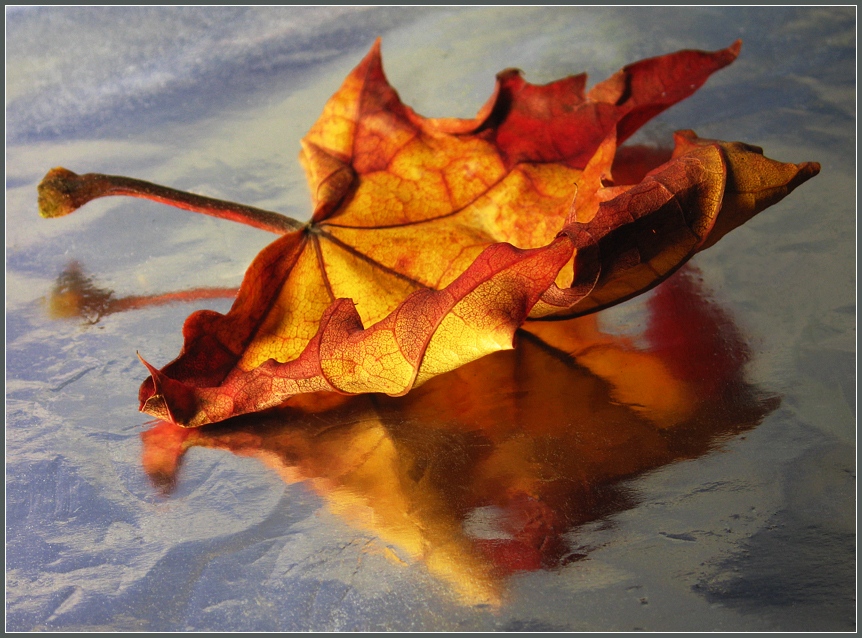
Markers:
point(756, 535)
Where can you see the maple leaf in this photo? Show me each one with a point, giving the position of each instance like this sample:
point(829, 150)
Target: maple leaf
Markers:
point(432, 240)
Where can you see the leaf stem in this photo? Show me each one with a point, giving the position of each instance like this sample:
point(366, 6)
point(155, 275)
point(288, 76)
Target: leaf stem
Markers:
point(62, 192)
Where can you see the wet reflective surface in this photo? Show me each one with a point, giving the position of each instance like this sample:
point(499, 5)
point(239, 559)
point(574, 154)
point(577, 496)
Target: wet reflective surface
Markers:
point(685, 461)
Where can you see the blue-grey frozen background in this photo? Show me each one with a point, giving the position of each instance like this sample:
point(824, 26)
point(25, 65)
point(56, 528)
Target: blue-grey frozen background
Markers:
point(215, 100)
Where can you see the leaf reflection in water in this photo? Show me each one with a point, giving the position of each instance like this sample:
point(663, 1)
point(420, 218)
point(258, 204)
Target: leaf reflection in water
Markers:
point(75, 295)
point(483, 471)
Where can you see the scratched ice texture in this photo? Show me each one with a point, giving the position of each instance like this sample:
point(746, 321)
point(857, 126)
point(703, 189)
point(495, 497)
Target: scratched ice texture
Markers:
point(758, 533)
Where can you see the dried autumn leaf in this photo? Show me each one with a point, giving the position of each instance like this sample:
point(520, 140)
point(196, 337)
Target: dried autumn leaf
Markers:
point(407, 267)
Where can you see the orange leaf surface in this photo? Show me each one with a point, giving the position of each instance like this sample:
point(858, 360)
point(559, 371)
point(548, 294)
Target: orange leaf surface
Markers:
point(432, 240)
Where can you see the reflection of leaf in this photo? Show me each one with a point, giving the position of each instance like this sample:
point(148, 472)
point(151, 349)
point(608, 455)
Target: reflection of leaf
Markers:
point(483, 470)
point(405, 270)
point(74, 295)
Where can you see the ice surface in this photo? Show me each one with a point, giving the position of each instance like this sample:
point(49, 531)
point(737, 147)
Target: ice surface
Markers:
point(757, 534)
